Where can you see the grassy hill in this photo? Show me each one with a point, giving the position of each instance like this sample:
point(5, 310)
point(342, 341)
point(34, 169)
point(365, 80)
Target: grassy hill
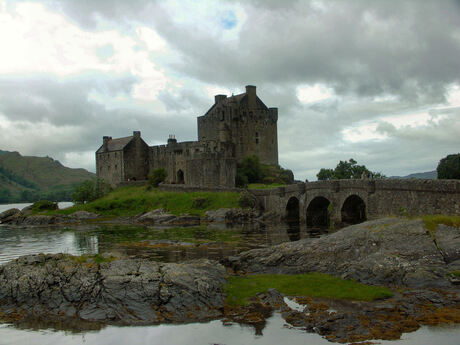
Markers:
point(27, 178)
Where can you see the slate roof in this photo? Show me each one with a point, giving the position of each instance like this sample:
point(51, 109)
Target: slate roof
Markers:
point(241, 100)
point(115, 144)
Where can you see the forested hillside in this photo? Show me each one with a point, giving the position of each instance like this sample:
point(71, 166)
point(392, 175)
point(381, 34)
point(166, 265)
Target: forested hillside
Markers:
point(28, 178)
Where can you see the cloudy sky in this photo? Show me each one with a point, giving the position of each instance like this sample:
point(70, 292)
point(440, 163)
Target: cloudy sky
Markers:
point(377, 81)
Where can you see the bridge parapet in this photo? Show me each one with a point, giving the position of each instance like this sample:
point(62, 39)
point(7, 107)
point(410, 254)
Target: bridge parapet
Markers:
point(434, 186)
point(379, 198)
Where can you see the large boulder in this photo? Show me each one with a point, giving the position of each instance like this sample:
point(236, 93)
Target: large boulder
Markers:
point(230, 215)
point(158, 216)
point(8, 213)
point(82, 215)
point(385, 251)
point(125, 291)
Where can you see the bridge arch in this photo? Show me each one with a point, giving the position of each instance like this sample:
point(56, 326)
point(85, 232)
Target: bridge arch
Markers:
point(292, 214)
point(353, 210)
point(318, 215)
point(292, 218)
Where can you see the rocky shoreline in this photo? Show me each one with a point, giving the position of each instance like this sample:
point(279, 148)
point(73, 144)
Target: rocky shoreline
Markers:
point(420, 266)
point(122, 291)
point(16, 217)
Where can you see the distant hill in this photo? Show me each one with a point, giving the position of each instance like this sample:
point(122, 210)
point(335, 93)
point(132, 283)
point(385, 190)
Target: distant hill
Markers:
point(428, 175)
point(28, 178)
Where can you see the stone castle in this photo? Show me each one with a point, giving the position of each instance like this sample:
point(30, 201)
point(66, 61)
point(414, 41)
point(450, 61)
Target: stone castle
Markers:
point(233, 128)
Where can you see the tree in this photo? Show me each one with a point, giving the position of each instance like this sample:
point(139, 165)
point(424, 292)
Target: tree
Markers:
point(449, 167)
point(157, 176)
point(347, 170)
point(90, 190)
point(5, 195)
point(252, 168)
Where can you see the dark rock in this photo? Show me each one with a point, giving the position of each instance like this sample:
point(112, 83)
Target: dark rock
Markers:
point(8, 213)
point(81, 215)
point(125, 291)
point(386, 251)
point(158, 216)
point(448, 242)
point(230, 215)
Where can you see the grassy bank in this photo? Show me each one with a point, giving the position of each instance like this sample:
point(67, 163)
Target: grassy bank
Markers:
point(432, 221)
point(129, 201)
point(313, 284)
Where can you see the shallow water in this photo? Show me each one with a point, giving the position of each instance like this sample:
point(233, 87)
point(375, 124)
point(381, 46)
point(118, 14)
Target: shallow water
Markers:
point(208, 333)
point(155, 243)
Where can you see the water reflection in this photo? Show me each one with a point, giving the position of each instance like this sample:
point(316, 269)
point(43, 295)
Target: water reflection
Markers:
point(208, 333)
point(162, 244)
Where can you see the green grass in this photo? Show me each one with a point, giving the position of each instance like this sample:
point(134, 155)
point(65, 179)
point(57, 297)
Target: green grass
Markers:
point(129, 201)
point(97, 258)
point(265, 186)
point(455, 273)
point(240, 289)
point(432, 221)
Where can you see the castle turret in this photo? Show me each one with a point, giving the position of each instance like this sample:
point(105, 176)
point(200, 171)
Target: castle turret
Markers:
point(219, 98)
point(252, 97)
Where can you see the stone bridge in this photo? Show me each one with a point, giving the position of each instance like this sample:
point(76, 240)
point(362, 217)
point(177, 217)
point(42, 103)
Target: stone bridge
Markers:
point(326, 204)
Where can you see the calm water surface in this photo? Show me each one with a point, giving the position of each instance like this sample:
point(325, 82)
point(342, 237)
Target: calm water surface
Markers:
point(169, 245)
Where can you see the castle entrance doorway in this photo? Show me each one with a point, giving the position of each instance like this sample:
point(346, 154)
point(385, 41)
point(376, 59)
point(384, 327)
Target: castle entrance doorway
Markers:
point(180, 177)
point(353, 210)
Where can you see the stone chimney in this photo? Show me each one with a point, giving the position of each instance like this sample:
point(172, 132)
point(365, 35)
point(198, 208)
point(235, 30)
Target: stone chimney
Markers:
point(251, 92)
point(219, 98)
point(105, 142)
point(137, 134)
point(172, 140)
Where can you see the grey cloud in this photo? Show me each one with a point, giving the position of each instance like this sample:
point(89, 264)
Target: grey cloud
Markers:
point(58, 101)
point(358, 47)
point(185, 100)
point(80, 121)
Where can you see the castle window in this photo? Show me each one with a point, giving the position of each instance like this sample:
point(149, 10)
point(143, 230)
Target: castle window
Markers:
point(257, 140)
point(116, 167)
point(257, 137)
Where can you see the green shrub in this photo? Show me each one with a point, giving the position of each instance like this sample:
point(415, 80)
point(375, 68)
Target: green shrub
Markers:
point(200, 203)
point(246, 200)
point(157, 176)
point(44, 205)
point(90, 190)
point(251, 170)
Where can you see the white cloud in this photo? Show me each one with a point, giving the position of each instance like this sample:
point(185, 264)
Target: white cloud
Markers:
point(314, 93)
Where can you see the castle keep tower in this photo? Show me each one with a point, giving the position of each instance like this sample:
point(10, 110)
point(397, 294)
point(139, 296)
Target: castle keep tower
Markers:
point(246, 122)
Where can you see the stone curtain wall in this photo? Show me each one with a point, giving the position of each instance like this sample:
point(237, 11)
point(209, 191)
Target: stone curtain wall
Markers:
point(381, 197)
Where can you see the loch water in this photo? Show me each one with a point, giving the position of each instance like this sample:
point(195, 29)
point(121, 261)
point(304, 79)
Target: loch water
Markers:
point(167, 245)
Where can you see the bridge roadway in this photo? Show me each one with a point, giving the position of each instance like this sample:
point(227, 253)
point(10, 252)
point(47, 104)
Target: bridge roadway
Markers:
point(323, 204)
